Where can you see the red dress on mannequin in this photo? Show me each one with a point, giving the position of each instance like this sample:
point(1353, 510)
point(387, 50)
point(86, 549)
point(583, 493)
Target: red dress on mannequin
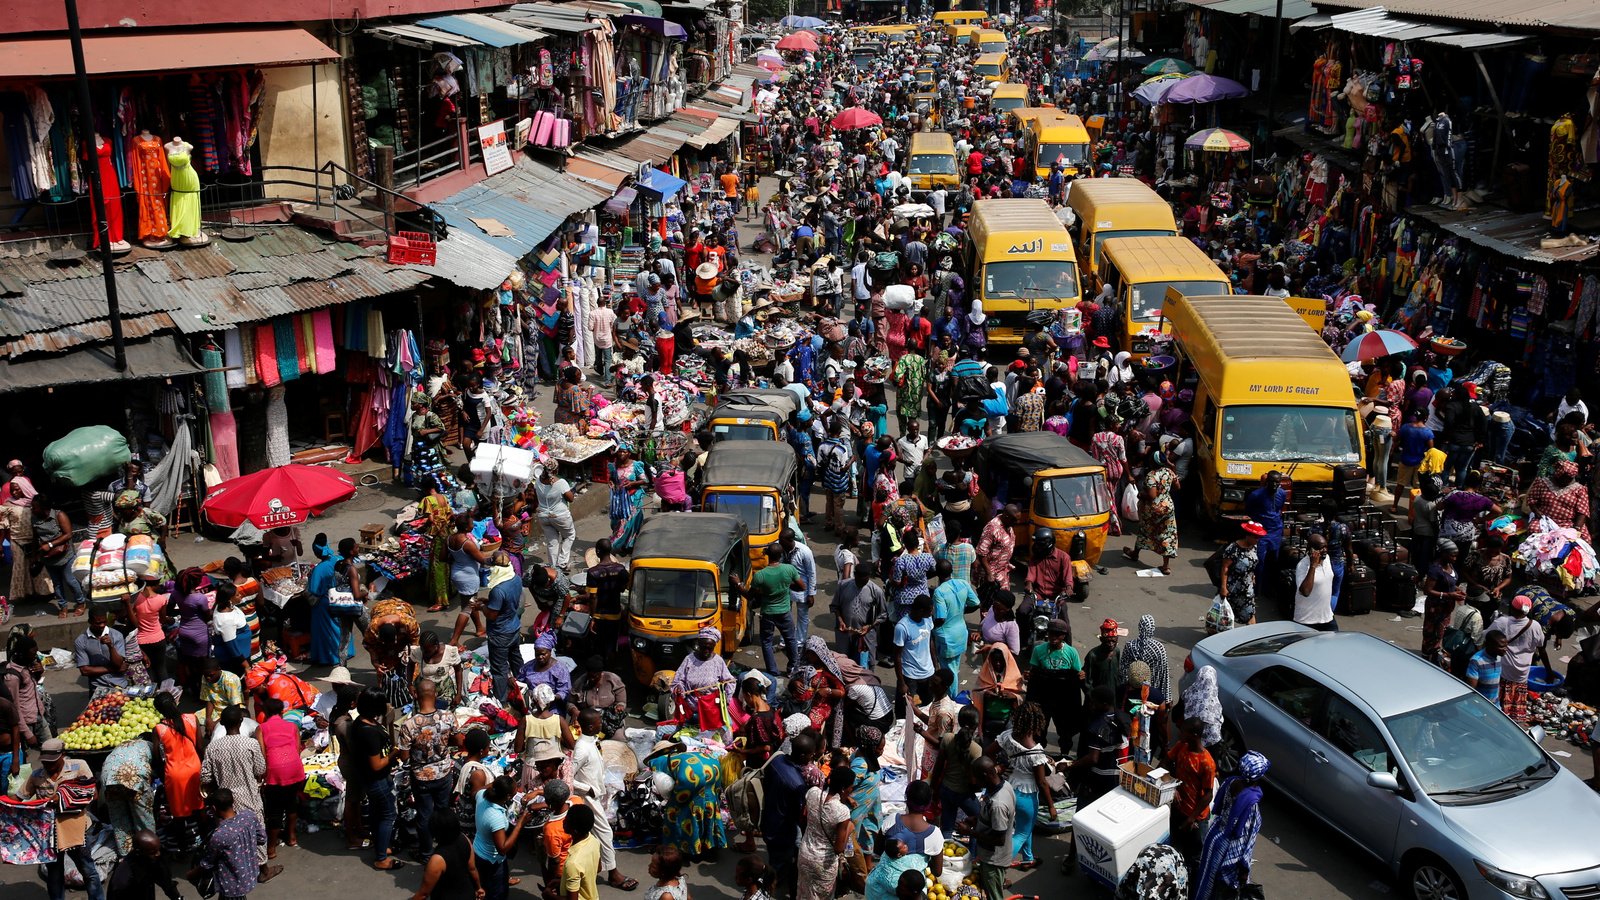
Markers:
point(111, 191)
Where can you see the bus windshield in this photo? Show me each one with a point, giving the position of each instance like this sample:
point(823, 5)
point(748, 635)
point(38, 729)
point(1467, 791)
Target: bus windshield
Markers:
point(1031, 279)
point(1005, 104)
point(1070, 154)
point(933, 164)
point(1316, 434)
point(987, 68)
point(1148, 298)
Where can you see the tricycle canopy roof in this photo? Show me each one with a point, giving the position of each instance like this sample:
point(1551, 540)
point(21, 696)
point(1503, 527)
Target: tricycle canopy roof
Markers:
point(755, 463)
point(696, 536)
point(1035, 450)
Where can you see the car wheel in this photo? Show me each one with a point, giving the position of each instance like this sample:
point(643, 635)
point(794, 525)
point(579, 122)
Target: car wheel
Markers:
point(1229, 751)
point(1429, 878)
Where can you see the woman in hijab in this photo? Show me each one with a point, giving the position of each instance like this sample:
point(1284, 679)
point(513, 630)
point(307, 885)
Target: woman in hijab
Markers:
point(1148, 649)
point(1119, 372)
point(974, 333)
point(703, 676)
point(1229, 845)
point(827, 689)
point(1201, 701)
point(1158, 873)
point(544, 668)
point(999, 689)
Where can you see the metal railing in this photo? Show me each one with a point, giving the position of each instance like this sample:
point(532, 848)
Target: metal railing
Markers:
point(427, 161)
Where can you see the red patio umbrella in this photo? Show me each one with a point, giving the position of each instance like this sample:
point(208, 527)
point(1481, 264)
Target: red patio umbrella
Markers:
point(278, 497)
point(799, 40)
point(856, 117)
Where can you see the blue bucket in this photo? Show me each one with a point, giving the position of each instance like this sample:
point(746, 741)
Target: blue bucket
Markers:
point(1542, 680)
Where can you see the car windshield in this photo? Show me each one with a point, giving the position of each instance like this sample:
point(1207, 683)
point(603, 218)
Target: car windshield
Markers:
point(1465, 747)
point(1148, 298)
point(1070, 496)
point(1040, 279)
point(758, 512)
point(1069, 154)
point(1317, 434)
point(671, 592)
point(741, 433)
point(933, 164)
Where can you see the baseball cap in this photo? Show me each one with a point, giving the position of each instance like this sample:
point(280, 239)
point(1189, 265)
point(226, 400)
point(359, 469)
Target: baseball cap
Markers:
point(52, 750)
point(1522, 602)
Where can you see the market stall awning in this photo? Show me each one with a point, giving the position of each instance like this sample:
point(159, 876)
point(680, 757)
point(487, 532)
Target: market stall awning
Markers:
point(619, 204)
point(485, 29)
point(160, 357)
point(1562, 14)
point(420, 37)
point(656, 24)
point(719, 131)
point(648, 7)
point(519, 208)
point(128, 52)
point(466, 258)
point(1292, 9)
point(664, 183)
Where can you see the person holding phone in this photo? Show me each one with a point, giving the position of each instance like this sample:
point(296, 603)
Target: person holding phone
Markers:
point(1313, 579)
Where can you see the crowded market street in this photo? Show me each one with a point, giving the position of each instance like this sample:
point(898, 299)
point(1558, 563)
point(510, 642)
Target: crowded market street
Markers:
point(929, 454)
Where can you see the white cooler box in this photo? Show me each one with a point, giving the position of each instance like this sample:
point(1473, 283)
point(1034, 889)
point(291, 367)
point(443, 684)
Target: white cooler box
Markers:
point(502, 467)
point(1111, 831)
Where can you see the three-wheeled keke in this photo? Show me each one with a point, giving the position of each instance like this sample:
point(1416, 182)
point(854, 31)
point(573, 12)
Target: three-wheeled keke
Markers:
point(681, 579)
point(1053, 482)
point(752, 414)
point(754, 481)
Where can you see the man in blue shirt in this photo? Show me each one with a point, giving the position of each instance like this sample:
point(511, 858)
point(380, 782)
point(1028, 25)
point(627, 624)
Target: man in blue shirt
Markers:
point(503, 610)
point(952, 600)
point(913, 635)
point(1413, 440)
point(1264, 505)
point(782, 801)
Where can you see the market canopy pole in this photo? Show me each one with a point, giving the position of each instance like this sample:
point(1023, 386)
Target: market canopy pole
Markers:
point(97, 197)
point(1272, 75)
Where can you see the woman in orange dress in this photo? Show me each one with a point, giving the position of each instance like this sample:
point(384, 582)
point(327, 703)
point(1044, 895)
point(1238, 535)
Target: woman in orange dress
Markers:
point(179, 734)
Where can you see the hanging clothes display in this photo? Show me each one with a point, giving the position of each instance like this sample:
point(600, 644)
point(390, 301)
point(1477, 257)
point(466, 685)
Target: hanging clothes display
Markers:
point(111, 195)
point(225, 444)
point(152, 180)
point(184, 185)
point(28, 116)
point(1566, 160)
point(277, 428)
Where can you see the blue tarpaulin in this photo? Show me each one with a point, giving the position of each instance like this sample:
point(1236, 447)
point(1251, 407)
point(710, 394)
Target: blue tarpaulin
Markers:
point(664, 183)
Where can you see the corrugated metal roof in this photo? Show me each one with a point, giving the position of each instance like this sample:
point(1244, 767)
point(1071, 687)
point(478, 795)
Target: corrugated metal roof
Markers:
point(718, 131)
point(465, 258)
point(591, 171)
point(199, 288)
point(133, 327)
point(418, 36)
point(158, 357)
point(1376, 22)
point(1292, 9)
point(1516, 235)
point(1478, 41)
point(1320, 20)
point(531, 199)
point(1583, 15)
point(484, 29)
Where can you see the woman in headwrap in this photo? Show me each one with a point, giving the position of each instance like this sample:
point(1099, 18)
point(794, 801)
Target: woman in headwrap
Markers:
point(1158, 514)
point(999, 688)
point(1148, 649)
point(544, 669)
point(693, 819)
point(827, 689)
point(1236, 820)
point(541, 723)
point(1201, 701)
point(628, 485)
point(1562, 498)
point(1157, 873)
point(974, 333)
point(127, 780)
point(704, 675)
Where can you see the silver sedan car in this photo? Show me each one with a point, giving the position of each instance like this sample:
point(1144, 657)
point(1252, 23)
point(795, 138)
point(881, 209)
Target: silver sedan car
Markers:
point(1417, 768)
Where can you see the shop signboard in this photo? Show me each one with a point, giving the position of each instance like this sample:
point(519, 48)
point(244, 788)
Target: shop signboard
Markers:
point(496, 150)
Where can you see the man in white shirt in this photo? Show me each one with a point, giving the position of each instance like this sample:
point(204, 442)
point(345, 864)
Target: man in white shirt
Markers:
point(602, 327)
point(858, 279)
point(1313, 579)
point(1572, 403)
point(912, 447)
point(889, 147)
point(936, 198)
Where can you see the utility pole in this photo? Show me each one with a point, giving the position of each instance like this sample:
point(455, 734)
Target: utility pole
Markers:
point(97, 196)
point(1272, 73)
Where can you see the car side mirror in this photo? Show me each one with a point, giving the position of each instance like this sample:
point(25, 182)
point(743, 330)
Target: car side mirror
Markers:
point(1384, 781)
point(1537, 733)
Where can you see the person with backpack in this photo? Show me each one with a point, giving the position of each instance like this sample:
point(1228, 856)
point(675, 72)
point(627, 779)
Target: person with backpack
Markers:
point(835, 463)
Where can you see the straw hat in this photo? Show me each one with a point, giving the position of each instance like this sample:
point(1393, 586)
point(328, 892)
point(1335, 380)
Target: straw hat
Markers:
point(688, 316)
point(706, 270)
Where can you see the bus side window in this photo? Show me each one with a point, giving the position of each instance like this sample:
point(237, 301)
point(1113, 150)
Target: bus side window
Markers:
point(1208, 420)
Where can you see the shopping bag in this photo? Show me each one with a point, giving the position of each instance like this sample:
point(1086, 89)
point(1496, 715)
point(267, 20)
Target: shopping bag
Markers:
point(1219, 617)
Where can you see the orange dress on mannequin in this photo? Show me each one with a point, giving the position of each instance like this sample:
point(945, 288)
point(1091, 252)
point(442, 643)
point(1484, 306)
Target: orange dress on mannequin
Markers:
point(152, 179)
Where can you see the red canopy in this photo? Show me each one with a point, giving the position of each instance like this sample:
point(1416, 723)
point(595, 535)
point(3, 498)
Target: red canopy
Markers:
point(800, 40)
point(275, 498)
point(856, 117)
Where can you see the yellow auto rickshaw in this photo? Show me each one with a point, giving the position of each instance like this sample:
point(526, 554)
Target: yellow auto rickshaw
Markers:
point(682, 578)
point(753, 480)
point(752, 414)
point(1054, 483)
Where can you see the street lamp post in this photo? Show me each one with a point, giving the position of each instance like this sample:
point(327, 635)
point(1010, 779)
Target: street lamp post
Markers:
point(97, 196)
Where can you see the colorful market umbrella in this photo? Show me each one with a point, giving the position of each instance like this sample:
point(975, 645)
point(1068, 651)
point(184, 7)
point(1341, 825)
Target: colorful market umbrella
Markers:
point(1377, 344)
point(1037, 29)
point(770, 60)
point(801, 22)
point(277, 497)
point(1205, 89)
point(1167, 66)
point(1216, 140)
point(856, 117)
point(1154, 91)
point(800, 40)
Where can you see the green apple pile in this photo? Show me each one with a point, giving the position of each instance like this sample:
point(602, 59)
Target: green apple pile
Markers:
point(110, 721)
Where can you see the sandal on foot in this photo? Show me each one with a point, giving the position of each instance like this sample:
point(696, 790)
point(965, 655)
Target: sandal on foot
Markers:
point(626, 884)
point(438, 607)
point(1130, 555)
point(394, 865)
